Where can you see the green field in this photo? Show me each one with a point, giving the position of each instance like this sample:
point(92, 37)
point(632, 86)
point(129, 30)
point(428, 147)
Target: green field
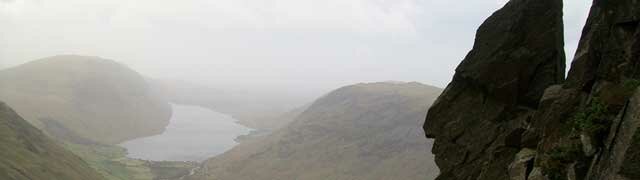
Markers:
point(111, 162)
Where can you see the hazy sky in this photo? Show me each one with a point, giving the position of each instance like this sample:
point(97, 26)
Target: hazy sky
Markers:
point(293, 44)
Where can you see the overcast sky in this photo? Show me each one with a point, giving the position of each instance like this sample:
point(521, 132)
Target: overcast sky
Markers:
point(294, 44)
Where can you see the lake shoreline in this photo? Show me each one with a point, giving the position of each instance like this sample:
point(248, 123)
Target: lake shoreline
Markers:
point(194, 134)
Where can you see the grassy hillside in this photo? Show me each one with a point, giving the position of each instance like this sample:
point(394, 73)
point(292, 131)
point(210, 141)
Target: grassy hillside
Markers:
point(26, 153)
point(364, 131)
point(99, 100)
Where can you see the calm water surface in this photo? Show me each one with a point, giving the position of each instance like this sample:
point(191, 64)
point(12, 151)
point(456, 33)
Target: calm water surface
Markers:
point(194, 134)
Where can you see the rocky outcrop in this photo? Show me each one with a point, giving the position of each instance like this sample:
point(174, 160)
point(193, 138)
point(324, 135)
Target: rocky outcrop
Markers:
point(26, 153)
point(584, 128)
point(620, 156)
point(479, 120)
point(594, 110)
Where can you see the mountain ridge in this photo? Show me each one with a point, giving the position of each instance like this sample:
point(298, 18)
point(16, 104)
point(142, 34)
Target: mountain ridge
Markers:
point(362, 131)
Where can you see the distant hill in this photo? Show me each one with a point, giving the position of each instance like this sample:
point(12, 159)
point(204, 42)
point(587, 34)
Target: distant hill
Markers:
point(84, 99)
point(26, 153)
point(364, 131)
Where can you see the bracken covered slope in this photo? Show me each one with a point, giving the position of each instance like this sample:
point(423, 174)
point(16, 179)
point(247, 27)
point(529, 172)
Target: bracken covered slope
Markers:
point(583, 128)
point(26, 153)
point(94, 99)
point(364, 131)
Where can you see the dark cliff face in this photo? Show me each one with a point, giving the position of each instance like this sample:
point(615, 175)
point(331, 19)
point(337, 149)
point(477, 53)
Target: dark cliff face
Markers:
point(26, 153)
point(587, 126)
point(517, 54)
point(584, 128)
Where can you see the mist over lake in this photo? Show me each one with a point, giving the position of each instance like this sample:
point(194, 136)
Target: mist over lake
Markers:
point(194, 134)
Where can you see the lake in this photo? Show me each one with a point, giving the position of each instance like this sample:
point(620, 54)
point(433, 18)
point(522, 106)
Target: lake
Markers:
point(194, 134)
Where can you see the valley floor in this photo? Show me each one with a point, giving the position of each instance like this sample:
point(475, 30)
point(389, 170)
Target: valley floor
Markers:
point(111, 162)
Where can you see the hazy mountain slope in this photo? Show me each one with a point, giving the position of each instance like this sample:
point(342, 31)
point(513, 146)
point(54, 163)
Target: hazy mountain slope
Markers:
point(26, 153)
point(96, 99)
point(363, 131)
